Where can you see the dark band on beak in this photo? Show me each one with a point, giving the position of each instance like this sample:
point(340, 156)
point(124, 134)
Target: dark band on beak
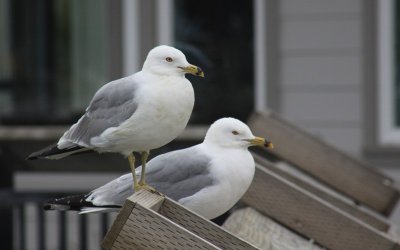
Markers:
point(268, 144)
point(261, 142)
point(194, 70)
point(199, 72)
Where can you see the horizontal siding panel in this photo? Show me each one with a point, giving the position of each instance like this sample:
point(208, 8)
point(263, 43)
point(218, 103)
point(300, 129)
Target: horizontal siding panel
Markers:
point(318, 6)
point(322, 107)
point(321, 69)
point(318, 88)
point(329, 70)
point(320, 35)
point(347, 139)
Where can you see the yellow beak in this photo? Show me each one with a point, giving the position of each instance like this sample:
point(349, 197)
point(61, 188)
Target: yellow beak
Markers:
point(258, 141)
point(194, 70)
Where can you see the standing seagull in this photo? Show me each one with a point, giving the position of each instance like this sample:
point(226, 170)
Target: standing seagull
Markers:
point(137, 113)
point(208, 178)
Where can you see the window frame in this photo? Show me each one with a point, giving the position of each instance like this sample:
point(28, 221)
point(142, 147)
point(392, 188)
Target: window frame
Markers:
point(165, 35)
point(388, 132)
point(260, 58)
point(131, 52)
point(130, 37)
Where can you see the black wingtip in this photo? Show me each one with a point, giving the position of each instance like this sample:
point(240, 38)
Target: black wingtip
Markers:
point(47, 206)
point(58, 207)
point(73, 202)
point(53, 150)
point(42, 153)
point(32, 156)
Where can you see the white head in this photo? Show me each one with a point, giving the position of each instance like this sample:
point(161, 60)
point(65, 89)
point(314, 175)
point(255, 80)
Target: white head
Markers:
point(230, 132)
point(166, 60)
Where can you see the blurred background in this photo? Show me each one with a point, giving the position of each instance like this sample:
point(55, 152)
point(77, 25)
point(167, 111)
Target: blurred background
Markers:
point(330, 67)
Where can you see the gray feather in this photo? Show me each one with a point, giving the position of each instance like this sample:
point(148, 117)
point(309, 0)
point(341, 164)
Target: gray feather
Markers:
point(113, 104)
point(180, 174)
point(177, 174)
point(114, 192)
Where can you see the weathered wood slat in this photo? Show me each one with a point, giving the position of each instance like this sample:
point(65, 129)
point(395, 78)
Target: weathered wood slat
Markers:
point(264, 232)
point(139, 227)
point(116, 227)
point(202, 227)
point(151, 221)
point(149, 230)
point(352, 209)
point(311, 216)
point(342, 172)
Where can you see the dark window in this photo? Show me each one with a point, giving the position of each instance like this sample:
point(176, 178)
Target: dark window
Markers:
point(218, 36)
point(56, 57)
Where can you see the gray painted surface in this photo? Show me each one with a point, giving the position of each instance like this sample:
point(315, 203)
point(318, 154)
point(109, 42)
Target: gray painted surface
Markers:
point(296, 7)
point(330, 71)
point(327, 76)
point(147, 27)
point(114, 26)
point(322, 106)
point(321, 69)
point(339, 136)
point(303, 34)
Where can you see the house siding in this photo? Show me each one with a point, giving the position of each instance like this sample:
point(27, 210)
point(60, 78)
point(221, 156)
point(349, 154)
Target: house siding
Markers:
point(320, 57)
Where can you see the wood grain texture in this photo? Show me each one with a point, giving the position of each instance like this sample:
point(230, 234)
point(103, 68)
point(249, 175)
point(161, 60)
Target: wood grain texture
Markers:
point(342, 172)
point(311, 216)
point(151, 221)
point(203, 227)
point(264, 232)
point(368, 217)
point(116, 227)
point(148, 199)
point(146, 229)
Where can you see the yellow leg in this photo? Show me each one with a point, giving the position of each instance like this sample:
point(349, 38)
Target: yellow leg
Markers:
point(131, 159)
point(142, 182)
point(144, 155)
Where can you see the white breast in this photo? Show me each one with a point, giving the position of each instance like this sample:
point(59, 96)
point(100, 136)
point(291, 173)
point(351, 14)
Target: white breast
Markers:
point(164, 109)
point(234, 171)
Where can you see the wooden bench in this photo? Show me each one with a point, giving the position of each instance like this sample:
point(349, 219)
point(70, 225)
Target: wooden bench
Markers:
point(345, 200)
point(311, 216)
point(352, 177)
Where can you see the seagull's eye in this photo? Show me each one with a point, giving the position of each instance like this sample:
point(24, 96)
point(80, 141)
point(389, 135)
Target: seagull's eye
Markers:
point(168, 59)
point(235, 132)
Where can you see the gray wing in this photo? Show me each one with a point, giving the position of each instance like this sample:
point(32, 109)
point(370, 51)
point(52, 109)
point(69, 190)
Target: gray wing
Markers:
point(177, 174)
point(112, 104)
point(114, 192)
point(180, 173)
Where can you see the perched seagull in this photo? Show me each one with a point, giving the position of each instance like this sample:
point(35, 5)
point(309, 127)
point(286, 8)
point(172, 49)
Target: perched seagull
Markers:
point(137, 113)
point(208, 178)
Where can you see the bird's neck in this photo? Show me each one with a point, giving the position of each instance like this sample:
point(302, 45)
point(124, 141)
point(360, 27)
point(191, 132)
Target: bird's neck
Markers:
point(163, 73)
